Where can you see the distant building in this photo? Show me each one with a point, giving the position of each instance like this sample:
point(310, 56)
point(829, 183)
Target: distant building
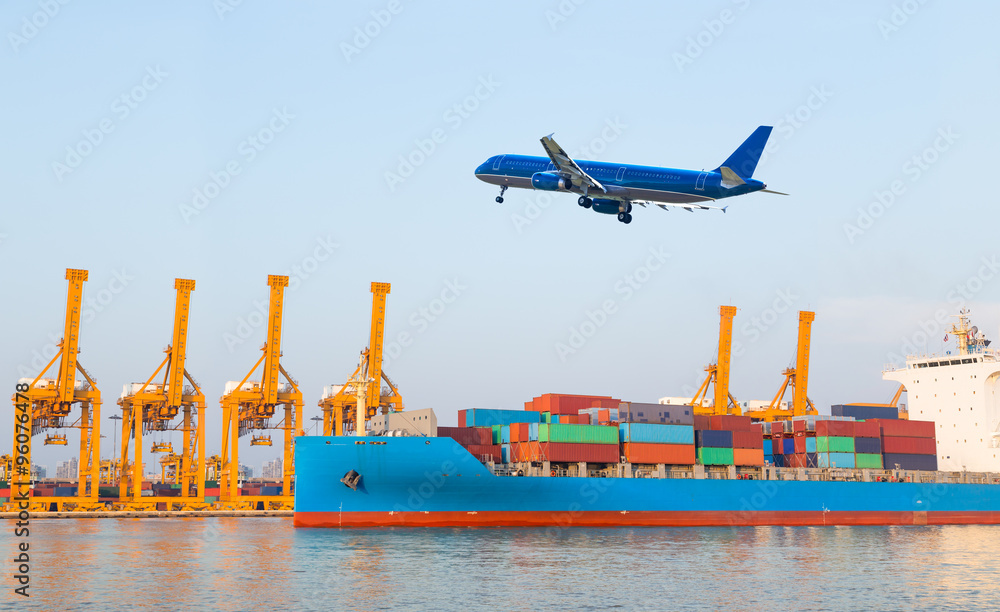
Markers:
point(272, 469)
point(68, 470)
point(246, 472)
point(38, 471)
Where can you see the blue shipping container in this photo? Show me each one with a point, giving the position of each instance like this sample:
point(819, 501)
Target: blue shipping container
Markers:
point(863, 413)
point(486, 417)
point(812, 460)
point(871, 446)
point(713, 439)
point(768, 448)
point(811, 446)
point(505, 434)
point(505, 453)
point(655, 433)
point(533, 432)
point(787, 446)
point(906, 462)
point(779, 460)
point(769, 459)
point(840, 460)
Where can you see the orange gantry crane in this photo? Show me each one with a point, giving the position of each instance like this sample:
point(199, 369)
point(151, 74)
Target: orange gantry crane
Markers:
point(248, 406)
point(42, 404)
point(152, 407)
point(797, 378)
point(718, 372)
point(342, 406)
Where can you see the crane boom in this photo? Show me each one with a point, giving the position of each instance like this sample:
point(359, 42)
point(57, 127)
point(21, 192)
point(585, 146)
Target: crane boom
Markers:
point(71, 335)
point(726, 314)
point(800, 398)
point(379, 291)
point(273, 351)
point(175, 381)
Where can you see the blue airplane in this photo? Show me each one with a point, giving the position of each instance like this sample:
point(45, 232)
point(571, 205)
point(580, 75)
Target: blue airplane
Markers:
point(612, 189)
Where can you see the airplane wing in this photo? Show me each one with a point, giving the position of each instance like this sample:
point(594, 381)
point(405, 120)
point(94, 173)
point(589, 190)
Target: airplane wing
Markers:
point(687, 207)
point(566, 165)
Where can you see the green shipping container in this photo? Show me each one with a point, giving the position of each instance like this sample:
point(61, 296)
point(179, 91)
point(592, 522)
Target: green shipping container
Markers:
point(211, 499)
point(211, 484)
point(865, 460)
point(578, 434)
point(834, 444)
point(715, 456)
point(107, 491)
point(496, 433)
point(546, 417)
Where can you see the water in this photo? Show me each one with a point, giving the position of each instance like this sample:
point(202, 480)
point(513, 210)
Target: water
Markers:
point(266, 564)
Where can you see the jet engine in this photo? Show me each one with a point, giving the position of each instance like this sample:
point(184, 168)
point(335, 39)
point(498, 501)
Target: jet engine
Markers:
point(548, 181)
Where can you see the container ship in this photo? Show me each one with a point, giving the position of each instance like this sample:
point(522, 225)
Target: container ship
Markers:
point(570, 460)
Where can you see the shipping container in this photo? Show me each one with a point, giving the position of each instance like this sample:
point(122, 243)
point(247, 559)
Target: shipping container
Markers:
point(578, 434)
point(702, 421)
point(668, 414)
point(497, 433)
point(715, 456)
point(909, 462)
point(788, 446)
point(563, 452)
point(865, 411)
point(65, 491)
point(867, 429)
point(748, 456)
point(731, 422)
point(557, 403)
point(800, 444)
point(654, 433)
point(811, 444)
point(834, 444)
point(533, 432)
point(871, 446)
point(906, 429)
point(767, 448)
point(839, 460)
point(909, 446)
point(213, 491)
point(546, 417)
point(868, 460)
point(798, 460)
point(467, 435)
point(777, 444)
point(669, 454)
point(748, 439)
point(778, 460)
point(840, 429)
point(505, 456)
point(710, 438)
point(798, 426)
point(505, 434)
point(486, 417)
point(485, 452)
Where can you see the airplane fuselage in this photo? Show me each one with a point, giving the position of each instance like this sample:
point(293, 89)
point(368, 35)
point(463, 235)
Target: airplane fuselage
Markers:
point(625, 182)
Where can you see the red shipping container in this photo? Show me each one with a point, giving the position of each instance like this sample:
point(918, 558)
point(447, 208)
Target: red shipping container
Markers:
point(461, 419)
point(748, 439)
point(909, 446)
point(748, 456)
point(776, 444)
point(467, 436)
point(485, 451)
point(4, 492)
point(906, 429)
point(670, 454)
point(603, 415)
point(798, 426)
point(800, 444)
point(213, 491)
point(560, 452)
point(730, 422)
point(702, 422)
point(867, 429)
point(843, 429)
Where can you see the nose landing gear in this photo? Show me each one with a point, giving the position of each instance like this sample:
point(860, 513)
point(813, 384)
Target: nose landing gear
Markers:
point(503, 188)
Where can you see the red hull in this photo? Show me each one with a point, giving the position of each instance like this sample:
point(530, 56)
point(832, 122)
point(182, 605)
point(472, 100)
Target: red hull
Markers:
point(637, 519)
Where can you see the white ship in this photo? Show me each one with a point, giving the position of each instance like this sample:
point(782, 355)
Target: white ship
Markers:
point(958, 391)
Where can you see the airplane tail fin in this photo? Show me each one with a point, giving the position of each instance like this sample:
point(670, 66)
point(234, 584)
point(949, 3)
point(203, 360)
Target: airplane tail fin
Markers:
point(744, 160)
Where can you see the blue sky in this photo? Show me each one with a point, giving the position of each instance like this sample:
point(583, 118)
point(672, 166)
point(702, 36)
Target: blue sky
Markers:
point(148, 141)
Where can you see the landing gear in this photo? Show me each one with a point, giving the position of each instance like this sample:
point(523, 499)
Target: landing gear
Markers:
point(503, 188)
point(585, 201)
point(625, 217)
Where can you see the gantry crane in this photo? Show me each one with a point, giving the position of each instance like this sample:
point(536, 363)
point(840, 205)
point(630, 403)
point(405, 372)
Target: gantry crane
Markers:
point(249, 405)
point(41, 404)
point(718, 373)
point(797, 378)
point(152, 407)
point(340, 408)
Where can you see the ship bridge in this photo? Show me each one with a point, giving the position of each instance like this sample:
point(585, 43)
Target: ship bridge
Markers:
point(958, 392)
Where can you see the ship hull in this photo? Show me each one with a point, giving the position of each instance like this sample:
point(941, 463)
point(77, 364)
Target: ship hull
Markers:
point(434, 482)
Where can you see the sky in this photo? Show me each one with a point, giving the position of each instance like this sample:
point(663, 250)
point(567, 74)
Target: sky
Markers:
point(336, 142)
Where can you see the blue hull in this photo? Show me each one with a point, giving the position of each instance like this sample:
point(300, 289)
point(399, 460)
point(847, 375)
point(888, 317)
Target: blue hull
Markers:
point(436, 482)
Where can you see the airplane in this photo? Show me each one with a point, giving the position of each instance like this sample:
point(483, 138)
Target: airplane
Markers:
point(612, 189)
